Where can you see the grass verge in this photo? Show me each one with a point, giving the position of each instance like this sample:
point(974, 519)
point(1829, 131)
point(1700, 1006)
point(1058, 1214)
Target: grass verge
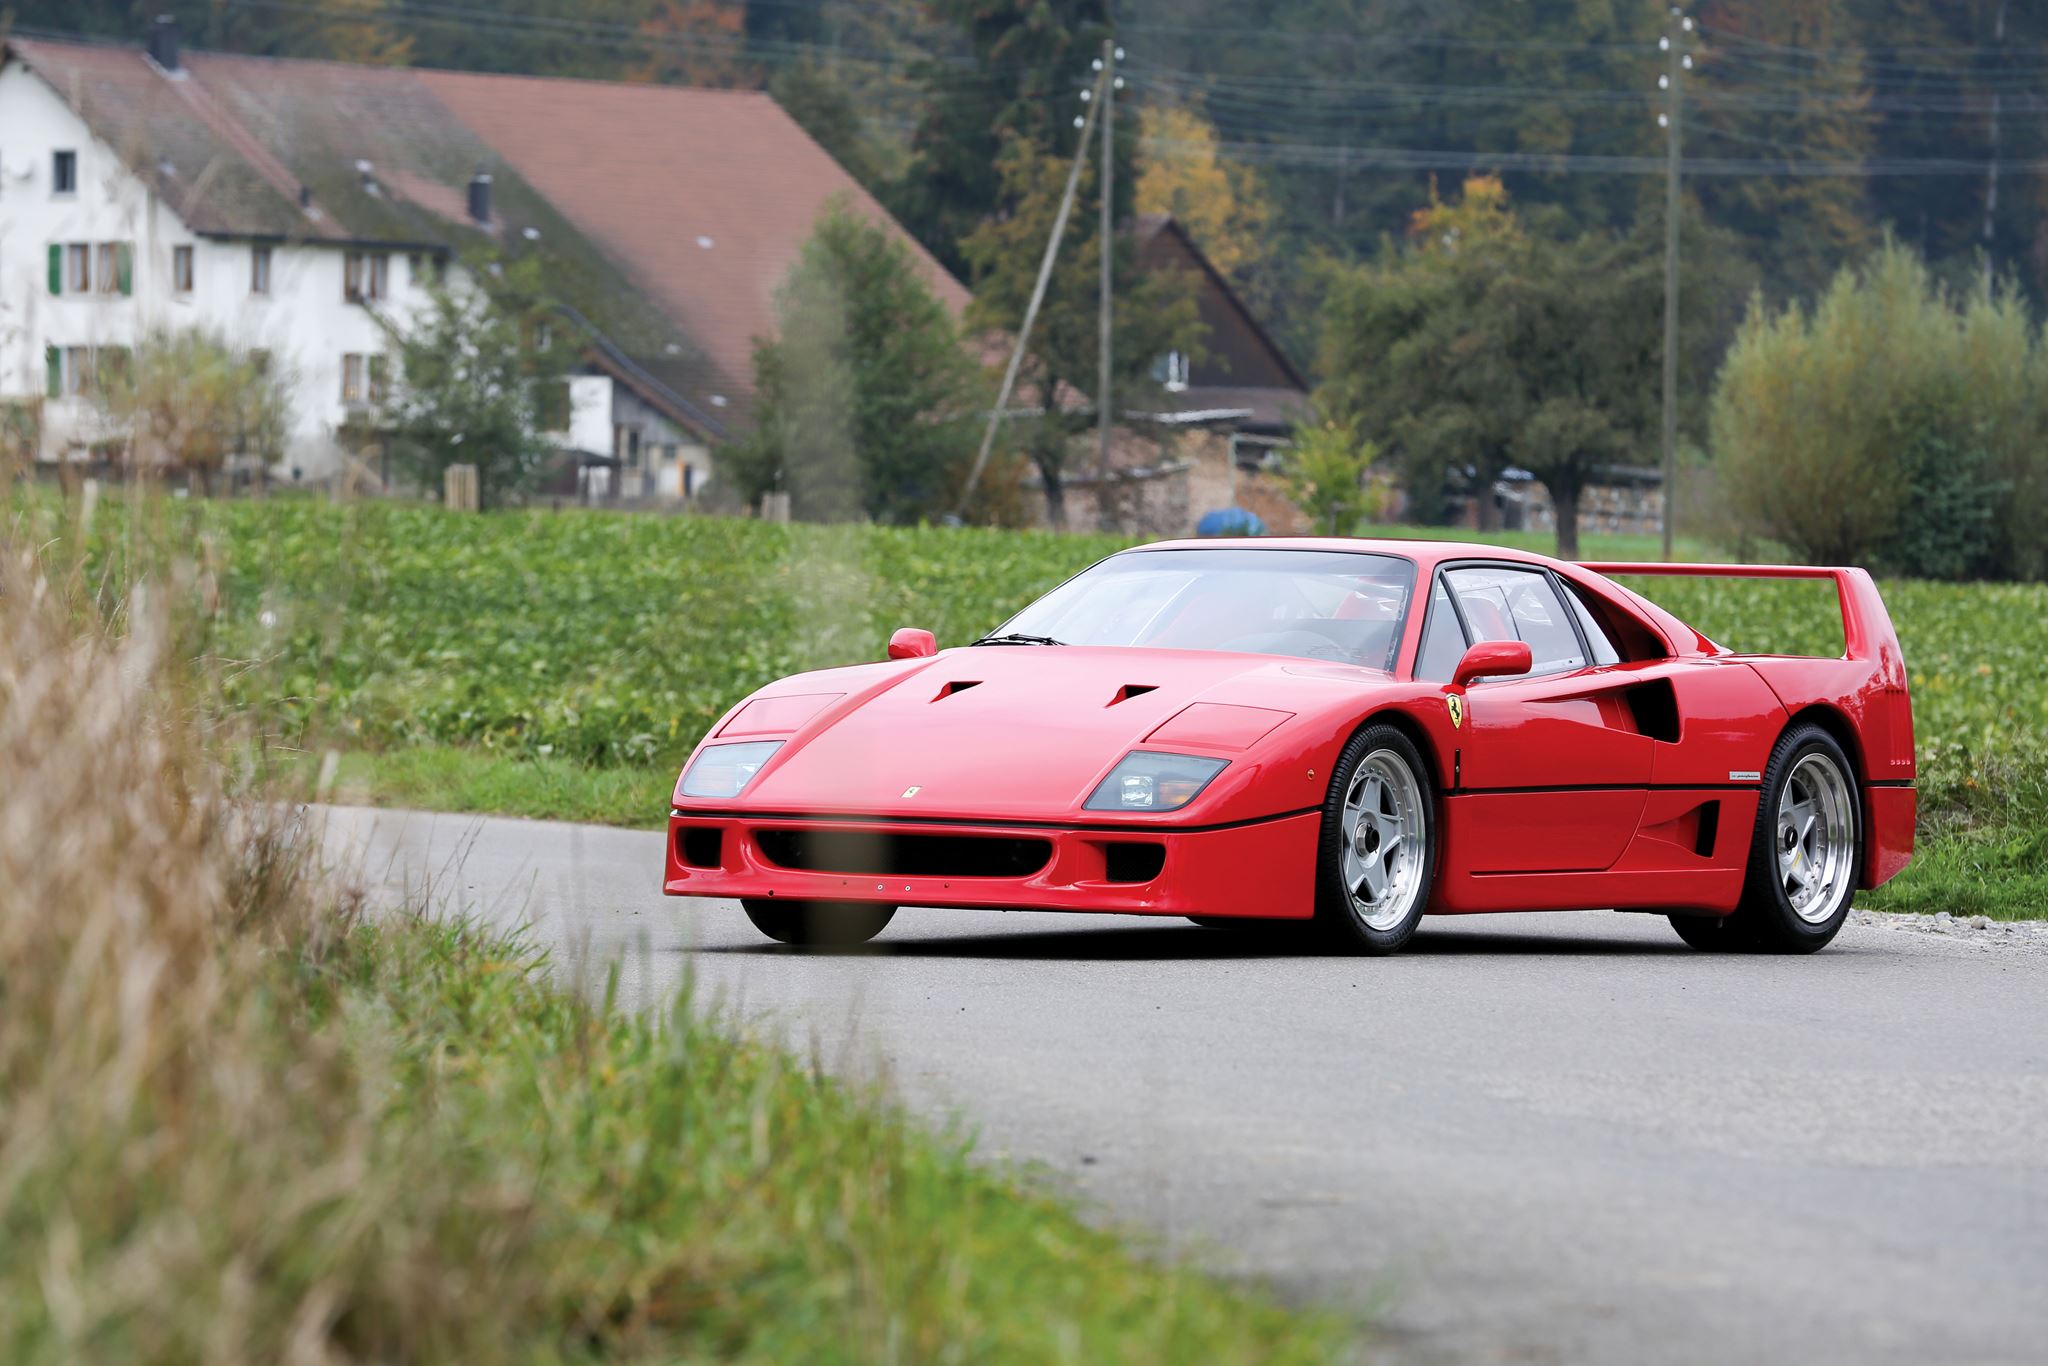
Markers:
point(240, 1122)
point(458, 778)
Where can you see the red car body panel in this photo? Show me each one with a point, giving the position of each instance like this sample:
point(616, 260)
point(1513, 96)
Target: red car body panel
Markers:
point(1631, 785)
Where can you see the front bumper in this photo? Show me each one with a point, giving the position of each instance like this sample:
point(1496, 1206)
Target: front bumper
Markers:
point(1263, 869)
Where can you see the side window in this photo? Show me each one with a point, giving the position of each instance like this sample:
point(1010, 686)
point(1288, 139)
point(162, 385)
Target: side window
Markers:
point(1519, 604)
point(1597, 638)
point(1443, 640)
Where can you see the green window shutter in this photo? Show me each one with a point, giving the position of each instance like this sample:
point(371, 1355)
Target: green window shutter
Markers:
point(56, 268)
point(53, 366)
point(124, 267)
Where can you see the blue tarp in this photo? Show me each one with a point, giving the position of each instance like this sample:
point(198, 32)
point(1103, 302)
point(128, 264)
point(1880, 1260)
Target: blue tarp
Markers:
point(1230, 522)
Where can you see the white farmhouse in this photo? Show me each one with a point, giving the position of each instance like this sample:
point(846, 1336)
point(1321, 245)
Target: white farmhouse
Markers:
point(298, 208)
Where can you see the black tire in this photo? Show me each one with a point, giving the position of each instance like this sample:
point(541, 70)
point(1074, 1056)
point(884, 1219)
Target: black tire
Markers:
point(1808, 761)
point(1345, 924)
point(818, 924)
point(1712, 933)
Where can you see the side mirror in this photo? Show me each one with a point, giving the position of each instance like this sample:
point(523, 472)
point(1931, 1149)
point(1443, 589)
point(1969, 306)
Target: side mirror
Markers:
point(1493, 659)
point(911, 643)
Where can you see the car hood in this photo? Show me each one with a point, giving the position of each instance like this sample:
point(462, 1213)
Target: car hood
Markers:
point(1025, 732)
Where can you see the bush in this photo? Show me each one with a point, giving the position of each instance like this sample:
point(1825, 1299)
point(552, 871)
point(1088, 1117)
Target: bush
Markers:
point(1894, 424)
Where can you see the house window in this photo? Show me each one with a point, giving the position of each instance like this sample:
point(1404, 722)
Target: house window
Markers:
point(77, 371)
point(259, 270)
point(354, 378)
point(689, 480)
point(260, 360)
point(78, 268)
point(181, 270)
point(379, 389)
point(64, 173)
point(1171, 371)
point(107, 267)
point(626, 445)
point(365, 275)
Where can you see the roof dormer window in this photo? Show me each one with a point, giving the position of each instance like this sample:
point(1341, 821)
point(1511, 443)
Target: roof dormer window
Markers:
point(1171, 371)
point(365, 276)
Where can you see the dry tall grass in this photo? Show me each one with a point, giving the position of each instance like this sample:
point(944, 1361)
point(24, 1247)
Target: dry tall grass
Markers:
point(141, 905)
point(238, 1123)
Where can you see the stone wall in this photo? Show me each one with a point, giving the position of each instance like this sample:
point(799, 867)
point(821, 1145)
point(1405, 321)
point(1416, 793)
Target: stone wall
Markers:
point(1164, 482)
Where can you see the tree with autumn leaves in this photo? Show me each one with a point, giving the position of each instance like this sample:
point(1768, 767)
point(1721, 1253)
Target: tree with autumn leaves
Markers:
point(1487, 342)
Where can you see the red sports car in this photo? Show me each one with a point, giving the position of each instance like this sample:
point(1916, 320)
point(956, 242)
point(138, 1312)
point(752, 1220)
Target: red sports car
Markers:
point(1350, 733)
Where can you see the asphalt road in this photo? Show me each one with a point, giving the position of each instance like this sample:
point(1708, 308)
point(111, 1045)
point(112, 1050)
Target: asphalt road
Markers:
point(1546, 1138)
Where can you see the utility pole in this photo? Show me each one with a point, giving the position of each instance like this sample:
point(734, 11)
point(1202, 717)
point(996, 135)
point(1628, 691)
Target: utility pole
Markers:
point(1677, 61)
point(1105, 408)
point(1052, 251)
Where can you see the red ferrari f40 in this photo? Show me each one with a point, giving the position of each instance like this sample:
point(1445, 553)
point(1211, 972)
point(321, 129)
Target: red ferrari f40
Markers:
point(1349, 733)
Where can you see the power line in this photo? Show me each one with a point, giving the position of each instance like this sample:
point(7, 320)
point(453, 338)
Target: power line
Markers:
point(1354, 157)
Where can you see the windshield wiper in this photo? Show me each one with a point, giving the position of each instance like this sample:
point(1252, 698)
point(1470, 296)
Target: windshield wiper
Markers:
point(1018, 638)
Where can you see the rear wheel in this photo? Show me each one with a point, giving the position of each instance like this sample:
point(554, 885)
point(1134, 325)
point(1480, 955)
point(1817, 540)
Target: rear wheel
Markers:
point(818, 924)
point(1377, 859)
point(1804, 854)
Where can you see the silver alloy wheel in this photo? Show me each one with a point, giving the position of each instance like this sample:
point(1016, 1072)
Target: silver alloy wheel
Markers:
point(1385, 829)
point(1816, 838)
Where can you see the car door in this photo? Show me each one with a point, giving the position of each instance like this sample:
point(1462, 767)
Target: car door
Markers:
point(1553, 768)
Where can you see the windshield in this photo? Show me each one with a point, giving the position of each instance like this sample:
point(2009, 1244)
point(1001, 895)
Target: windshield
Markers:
point(1314, 604)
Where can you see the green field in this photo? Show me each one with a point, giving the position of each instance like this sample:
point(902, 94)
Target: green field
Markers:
point(563, 664)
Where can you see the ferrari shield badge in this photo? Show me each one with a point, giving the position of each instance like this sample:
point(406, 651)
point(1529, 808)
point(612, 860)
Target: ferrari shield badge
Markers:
point(1457, 706)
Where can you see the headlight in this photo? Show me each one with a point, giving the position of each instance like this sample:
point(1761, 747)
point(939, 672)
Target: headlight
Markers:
point(1146, 781)
point(722, 770)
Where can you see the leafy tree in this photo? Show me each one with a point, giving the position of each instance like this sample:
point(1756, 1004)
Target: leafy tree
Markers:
point(1399, 357)
point(1891, 422)
point(1487, 345)
point(1030, 58)
point(189, 399)
point(1153, 314)
point(827, 111)
point(1326, 471)
point(1221, 203)
point(692, 42)
point(1817, 109)
point(480, 379)
point(865, 396)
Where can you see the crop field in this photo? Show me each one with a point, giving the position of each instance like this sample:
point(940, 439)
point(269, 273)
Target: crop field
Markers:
point(559, 646)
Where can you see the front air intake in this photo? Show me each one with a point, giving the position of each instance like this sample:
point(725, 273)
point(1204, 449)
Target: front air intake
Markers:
point(877, 853)
point(700, 846)
point(1133, 862)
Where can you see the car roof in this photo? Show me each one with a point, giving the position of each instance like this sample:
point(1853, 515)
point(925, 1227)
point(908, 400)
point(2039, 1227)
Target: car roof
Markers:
point(1428, 552)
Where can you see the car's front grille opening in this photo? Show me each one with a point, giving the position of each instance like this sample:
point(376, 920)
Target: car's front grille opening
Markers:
point(1133, 862)
point(700, 846)
point(884, 854)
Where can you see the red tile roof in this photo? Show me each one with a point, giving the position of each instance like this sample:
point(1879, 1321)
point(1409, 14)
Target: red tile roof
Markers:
point(622, 183)
point(705, 196)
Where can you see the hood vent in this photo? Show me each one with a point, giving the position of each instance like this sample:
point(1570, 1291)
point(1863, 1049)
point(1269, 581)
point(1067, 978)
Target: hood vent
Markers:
point(959, 686)
point(1130, 690)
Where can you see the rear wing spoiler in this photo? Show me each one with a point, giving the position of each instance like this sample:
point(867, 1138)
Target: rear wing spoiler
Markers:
point(1866, 627)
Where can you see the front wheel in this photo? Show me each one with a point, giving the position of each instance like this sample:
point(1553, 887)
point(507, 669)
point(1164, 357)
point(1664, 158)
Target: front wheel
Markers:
point(1377, 859)
point(818, 924)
